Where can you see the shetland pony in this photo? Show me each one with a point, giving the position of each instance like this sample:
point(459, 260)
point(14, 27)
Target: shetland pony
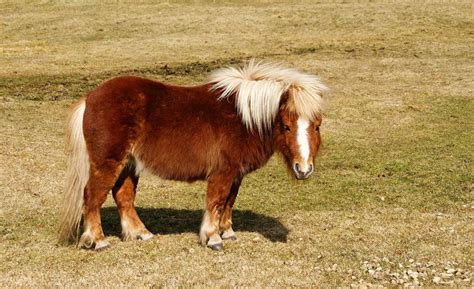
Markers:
point(219, 131)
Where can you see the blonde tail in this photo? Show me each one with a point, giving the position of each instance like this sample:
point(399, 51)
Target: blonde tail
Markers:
point(77, 176)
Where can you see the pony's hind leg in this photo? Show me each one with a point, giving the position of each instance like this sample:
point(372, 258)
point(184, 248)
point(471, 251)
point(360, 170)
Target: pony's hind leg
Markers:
point(100, 182)
point(225, 225)
point(124, 193)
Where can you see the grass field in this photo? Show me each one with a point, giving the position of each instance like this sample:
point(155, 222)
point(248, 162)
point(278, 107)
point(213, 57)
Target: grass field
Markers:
point(392, 199)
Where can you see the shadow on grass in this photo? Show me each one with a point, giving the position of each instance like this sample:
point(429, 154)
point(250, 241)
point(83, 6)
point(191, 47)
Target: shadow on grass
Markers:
point(165, 221)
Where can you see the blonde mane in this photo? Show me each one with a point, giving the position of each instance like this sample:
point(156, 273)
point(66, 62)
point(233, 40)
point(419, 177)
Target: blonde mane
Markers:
point(259, 86)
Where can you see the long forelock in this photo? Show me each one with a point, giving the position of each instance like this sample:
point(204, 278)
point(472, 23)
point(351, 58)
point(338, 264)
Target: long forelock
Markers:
point(259, 87)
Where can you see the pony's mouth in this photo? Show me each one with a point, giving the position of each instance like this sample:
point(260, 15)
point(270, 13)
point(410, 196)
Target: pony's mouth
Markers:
point(302, 177)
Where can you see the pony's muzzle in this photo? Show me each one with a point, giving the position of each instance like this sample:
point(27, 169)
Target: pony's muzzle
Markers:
point(300, 174)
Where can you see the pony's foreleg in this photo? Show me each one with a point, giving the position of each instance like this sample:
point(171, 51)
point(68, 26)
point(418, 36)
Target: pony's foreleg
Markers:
point(225, 225)
point(217, 192)
point(124, 193)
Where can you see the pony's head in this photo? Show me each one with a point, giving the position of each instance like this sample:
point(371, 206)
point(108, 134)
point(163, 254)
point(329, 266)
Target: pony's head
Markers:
point(298, 139)
point(279, 102)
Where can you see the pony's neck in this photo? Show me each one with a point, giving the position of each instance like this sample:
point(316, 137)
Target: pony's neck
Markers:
point(258, 148)
point(268, 143)
point(264, 152)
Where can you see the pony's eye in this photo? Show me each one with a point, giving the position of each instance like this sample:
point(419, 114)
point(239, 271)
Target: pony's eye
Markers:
point(285, 127)
point(317, 128)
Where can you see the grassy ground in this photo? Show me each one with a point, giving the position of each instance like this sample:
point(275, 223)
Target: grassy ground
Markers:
point(391, 202)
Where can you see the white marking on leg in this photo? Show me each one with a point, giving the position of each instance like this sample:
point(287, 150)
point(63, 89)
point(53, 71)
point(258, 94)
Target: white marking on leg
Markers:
point(86, 240)
point(146, 236)
point(130, 233)
point(126, 233)
point(205, 228)
point(229, 234)
point(209, 234)
point(102, 244)
point(124, 224)
point(303, 142)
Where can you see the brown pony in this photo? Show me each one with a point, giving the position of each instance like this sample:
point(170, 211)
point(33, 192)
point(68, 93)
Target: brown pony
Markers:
point(219, 131)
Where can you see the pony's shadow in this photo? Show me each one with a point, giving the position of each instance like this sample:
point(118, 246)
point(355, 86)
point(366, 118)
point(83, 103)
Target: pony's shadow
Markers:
point(166, 221)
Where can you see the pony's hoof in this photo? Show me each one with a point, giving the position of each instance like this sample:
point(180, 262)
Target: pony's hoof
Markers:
point(230, 238)
point(145, 236)
point(229, 235)
point(101, 245)
point(137, 235)
point(216, 247)
point(87, 241)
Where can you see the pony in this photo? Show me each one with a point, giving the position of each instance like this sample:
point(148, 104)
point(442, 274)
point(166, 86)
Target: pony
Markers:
point(218, 131)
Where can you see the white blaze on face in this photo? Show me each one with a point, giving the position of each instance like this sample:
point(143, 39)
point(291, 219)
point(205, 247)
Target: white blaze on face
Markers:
point(303, 142)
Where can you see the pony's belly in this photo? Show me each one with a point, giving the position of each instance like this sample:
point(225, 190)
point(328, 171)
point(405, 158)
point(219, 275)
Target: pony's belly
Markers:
point(184, 175)
point(168, 167)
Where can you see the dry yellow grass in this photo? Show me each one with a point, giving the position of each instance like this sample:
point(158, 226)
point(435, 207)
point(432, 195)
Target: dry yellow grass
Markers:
point(392, 200)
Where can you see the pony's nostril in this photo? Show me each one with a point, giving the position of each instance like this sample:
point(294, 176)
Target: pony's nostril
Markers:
point(297, 167)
